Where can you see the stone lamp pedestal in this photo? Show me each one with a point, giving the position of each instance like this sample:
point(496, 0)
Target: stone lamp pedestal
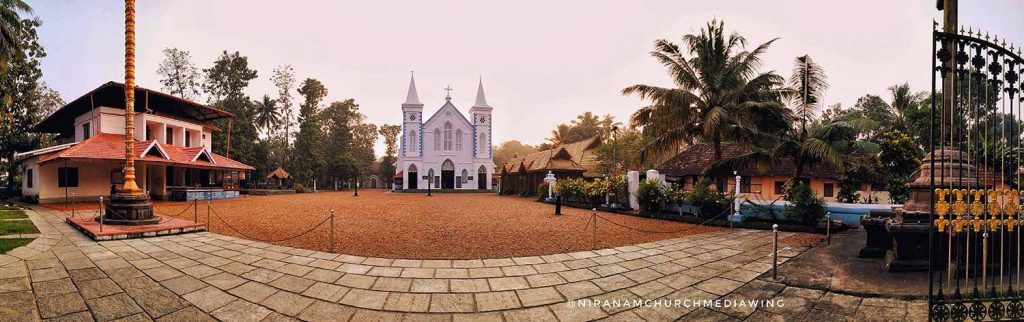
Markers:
point(129, 209)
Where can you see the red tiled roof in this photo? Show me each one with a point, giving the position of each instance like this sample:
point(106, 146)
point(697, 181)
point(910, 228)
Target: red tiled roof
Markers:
point(563, 157)
point(399, 174)
point(105, 146)
point(697, 158)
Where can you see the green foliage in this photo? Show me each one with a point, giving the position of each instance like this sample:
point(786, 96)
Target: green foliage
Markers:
point(804, 206)
point(8, 227)
point(179, 76)
point(300, 188)
point(228, 77)
point(12, 214)
point(900, 155)
point(8, 244)
point(585, 126)
point(718, 93)
point(848, 187)
point(621, 151)
point(542, 191)
point(652, 195)
point(24, 98)
point(708, 201)
point(309, 155)
point(898, 191)
point(390, 133)
point(588, 192)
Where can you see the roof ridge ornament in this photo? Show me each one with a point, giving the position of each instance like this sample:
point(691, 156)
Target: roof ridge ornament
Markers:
point(448, 95)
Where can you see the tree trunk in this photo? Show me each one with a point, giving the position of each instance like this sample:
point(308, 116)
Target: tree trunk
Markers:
point(719, 178)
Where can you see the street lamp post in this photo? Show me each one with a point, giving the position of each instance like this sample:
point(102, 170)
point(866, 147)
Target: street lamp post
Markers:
point(430, 184)
point(356, 185)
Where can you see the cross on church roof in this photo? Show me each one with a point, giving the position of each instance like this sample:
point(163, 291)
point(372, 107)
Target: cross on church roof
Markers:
point(448, 95)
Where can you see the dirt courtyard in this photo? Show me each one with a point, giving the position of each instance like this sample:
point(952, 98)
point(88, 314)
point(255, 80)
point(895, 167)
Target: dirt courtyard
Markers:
point(414, 226)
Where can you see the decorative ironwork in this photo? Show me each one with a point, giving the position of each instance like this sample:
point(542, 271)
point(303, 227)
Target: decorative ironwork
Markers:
point(974, 255)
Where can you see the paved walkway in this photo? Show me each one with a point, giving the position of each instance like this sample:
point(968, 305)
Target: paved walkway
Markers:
point(63, 276)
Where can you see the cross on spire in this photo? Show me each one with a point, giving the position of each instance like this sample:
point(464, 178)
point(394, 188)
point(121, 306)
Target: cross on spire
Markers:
point(448, 95)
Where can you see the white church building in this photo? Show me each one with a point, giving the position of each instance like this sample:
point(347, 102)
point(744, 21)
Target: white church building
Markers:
point(447, 150)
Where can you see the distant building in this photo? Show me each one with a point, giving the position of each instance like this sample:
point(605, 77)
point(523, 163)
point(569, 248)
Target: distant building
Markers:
point(446, 150)
point(522, 174)
point(172, 147)
point(758, 184)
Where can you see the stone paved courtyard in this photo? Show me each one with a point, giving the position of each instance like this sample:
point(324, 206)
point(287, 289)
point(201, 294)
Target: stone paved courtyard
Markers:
point(62, 276)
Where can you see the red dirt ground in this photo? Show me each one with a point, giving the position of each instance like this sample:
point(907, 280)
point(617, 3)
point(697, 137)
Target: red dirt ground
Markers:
point(445, 226)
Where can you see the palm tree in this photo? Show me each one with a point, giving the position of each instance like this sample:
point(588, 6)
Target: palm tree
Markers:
point(719, 93)
point(10, 24)
point(268, 115)
point(807, 86)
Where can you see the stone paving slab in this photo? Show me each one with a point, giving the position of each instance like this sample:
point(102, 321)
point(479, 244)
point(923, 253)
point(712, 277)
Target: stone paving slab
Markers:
point(208, 277)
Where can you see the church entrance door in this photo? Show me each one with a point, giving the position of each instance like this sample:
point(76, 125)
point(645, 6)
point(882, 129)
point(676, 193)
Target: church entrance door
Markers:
point(413, 177)
point(481, 178)
point(448, 175)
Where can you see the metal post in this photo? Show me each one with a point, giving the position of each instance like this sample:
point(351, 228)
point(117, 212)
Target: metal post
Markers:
point(332, 230)
point(103, 213)
point(195, 210)
point(828, 228)
point(558, 205)
point(357, 187)
point(593, 240)
point(209, 224)
point(775, 252)
point(73, 205)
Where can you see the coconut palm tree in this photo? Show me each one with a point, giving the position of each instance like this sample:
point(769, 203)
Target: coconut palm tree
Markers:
point(719, 94)
point(10, 24)
point(268, 116)
point(807, 87)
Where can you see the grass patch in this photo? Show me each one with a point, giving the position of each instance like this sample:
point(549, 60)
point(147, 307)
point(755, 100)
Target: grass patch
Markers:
point(2, 207)
point(12, 243)
point(9, 227)
point(12, 214)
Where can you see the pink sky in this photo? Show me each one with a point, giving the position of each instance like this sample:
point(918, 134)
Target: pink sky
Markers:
point(542, 62)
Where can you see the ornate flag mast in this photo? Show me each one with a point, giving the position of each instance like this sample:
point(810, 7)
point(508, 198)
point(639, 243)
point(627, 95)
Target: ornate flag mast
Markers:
point(129, 205)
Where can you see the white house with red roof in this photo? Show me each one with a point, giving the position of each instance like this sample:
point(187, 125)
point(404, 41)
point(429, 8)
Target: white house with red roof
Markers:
point(173, 136)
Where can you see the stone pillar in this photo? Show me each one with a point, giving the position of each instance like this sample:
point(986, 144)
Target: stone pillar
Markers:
point(633, 184)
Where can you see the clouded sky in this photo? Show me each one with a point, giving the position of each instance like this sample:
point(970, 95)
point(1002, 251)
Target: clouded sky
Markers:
point(542, 62)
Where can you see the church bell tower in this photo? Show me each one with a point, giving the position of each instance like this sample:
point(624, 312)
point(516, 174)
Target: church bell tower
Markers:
point(412, 124)
point(481, 118)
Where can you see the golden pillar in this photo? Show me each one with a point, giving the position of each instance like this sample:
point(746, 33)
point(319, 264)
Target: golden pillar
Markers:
point(130, 187)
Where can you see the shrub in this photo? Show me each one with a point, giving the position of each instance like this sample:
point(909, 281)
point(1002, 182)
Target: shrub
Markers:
point(651, 195)
point(898, 192)
point(299, 188)
point(804, 206)
point(542, 191)
point(708, 201)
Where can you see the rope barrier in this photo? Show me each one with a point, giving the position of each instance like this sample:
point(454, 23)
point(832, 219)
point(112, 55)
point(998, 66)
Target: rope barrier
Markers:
point(214, 211)
point(663, 232)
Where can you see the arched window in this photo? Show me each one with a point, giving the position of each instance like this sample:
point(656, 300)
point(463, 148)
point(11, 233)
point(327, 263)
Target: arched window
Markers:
point(412, 141)
point(412, 168)
point(458, 140)
point(465, 176)
point(437, 139)
point(447, 136)
point(482, 142)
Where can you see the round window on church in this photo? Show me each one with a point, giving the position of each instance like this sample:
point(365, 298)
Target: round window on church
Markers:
point(412, 117)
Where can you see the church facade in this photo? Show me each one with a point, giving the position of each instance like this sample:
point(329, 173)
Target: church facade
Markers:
point(446, 150)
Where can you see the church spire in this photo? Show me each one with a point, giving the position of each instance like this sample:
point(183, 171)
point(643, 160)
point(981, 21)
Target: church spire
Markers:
point(481, 100)
point(412, 98)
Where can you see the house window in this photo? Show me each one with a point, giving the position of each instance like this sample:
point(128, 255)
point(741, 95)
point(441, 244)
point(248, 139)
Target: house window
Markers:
point(447, 136)
point(780, 187)
point(29, 178)
point(830, 190)
point(744, 184)
point(86, 131)
point(188, 139)
point(67, 177)
point(170, 136)
point(458, 140)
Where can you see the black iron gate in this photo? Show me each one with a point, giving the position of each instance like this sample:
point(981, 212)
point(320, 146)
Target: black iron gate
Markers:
point(975, 239)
